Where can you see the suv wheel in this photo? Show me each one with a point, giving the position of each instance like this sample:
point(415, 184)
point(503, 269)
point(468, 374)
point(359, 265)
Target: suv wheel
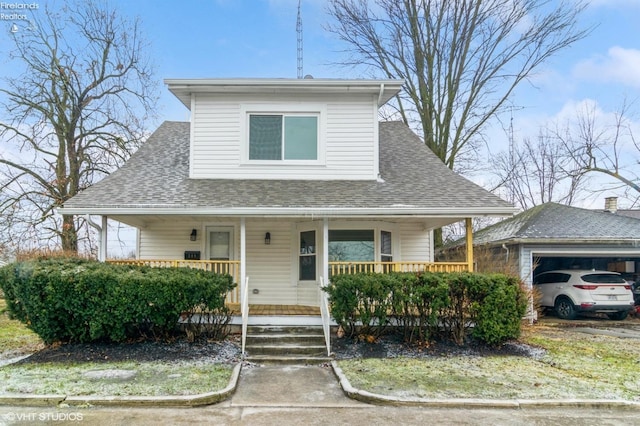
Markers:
point(618, 316)
point(564, 308)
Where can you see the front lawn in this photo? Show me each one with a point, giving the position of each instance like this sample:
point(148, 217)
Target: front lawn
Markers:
point(15, 338)
point(148, 378)
point(573, 365)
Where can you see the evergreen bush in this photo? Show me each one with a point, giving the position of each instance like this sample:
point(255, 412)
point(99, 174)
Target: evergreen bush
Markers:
point(425, 306)
point(80, 300)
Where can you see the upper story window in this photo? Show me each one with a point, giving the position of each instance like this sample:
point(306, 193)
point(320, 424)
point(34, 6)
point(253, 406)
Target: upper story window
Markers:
point(283, 137)
point(283, 134)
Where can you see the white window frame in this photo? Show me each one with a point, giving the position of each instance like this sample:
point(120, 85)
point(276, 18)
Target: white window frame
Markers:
point(377, 228)
point(296, 230)
point(317, 110)
point(220, 228)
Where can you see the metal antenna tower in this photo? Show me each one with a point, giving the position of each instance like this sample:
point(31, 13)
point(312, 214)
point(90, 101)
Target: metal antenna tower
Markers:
point(299, 31)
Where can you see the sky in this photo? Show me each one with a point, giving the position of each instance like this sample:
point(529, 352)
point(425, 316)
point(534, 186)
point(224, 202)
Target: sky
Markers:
point(257, 38)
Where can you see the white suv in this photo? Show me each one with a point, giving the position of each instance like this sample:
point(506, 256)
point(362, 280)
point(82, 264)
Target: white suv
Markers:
point(569, 292)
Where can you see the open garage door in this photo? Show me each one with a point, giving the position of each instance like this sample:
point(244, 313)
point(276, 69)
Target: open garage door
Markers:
point(628, 266)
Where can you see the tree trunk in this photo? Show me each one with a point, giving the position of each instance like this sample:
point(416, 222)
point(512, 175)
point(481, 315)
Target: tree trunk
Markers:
point(69, 235)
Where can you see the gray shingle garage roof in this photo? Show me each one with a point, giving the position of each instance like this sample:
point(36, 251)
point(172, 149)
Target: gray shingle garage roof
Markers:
point(551, 222)
point(414, 182)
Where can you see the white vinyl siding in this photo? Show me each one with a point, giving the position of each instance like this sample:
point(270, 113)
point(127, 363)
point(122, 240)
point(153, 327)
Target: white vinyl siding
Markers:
point(415, 243)
point(347, 139)
point(272, 268)
point(269, 266)
point(169, 240)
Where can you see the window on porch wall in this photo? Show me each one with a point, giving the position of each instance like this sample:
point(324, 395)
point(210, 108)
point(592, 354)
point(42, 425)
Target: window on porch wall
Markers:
point(359, 246)
point(351, 245)
point(307, 256)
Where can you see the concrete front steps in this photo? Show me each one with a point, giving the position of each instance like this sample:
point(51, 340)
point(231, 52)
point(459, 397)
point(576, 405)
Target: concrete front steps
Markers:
point(285, 345)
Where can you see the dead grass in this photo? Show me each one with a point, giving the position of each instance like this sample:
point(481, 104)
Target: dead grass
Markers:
point(573, 365)
point(150, 378)
point(15, 338)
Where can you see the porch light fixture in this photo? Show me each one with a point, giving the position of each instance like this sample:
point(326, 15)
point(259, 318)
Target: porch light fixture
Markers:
point(194, 234)
point(267, 238)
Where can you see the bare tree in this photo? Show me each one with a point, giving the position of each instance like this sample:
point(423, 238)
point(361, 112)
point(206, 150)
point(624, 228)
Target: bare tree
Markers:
point(461, 59)
point(603, 144)
point(537, 172)
point(76, 113)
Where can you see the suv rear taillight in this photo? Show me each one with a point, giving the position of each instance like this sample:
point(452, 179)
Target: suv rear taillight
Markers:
point(627, 287)
point(586, 286)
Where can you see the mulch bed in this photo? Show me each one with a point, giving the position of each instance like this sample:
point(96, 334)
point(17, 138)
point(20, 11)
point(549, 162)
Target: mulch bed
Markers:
point(226, 351)
point(393, 346)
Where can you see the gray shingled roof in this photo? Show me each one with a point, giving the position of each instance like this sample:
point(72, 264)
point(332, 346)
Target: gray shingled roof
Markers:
point(551, 222)
point(413, 177)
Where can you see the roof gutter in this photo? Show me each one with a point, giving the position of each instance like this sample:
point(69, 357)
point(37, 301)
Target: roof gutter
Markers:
point(292, 211)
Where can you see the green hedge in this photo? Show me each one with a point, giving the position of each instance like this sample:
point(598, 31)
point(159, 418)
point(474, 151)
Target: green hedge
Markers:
point(78, 300)
point(425, 306)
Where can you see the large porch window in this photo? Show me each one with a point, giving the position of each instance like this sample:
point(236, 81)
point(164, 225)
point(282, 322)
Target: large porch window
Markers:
point(351, 245)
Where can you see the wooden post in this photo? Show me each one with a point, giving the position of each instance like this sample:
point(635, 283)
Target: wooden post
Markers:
point(469, 235)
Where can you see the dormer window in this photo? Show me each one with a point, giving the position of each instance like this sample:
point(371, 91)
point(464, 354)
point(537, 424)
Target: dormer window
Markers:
point(283, 137)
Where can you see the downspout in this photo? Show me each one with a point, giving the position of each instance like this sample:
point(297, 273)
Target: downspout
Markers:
point(504, 246)
point(381, 93)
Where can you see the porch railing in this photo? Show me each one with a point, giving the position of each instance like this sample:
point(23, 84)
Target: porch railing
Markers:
point(336, 268)
point(231, 267)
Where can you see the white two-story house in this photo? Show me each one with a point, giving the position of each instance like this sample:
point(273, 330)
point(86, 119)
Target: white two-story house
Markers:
point(284, 182)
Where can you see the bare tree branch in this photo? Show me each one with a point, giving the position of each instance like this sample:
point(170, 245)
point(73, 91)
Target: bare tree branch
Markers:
point(537, 172)
point(75, 114)
point(461, 59)
point(599, 146)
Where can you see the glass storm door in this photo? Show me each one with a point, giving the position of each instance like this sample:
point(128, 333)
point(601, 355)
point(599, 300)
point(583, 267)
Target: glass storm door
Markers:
point(220, 243)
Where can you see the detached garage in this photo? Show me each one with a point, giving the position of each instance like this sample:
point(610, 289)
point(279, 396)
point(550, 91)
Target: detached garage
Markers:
point(554, 236)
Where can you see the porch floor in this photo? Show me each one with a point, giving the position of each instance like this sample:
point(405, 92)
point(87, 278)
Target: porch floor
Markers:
point(276, 310)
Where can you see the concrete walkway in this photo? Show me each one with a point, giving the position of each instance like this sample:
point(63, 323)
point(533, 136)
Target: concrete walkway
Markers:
point(290, 386)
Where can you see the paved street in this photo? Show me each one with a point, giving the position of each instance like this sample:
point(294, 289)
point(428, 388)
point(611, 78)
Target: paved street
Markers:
point(309, 395)
point(230, 414)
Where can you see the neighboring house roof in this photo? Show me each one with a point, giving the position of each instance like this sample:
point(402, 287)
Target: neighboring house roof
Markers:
point(557, 223)
point(629, 213)
point(413, 181)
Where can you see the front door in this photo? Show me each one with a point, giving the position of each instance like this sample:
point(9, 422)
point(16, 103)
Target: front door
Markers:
point(220, 246)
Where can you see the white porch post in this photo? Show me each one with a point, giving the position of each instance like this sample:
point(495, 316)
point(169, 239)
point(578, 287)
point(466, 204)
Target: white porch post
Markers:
point(102, 250)
point(325, 249)
point(243, 255)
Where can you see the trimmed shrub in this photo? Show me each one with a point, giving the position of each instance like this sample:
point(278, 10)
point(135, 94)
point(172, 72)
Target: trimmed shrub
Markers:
point(361, 300)
point(499, 303)
point(425, 306)
point(79, 300)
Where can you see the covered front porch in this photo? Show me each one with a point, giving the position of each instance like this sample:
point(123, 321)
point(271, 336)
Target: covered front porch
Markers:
point(233, 268)
point(283, 261)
